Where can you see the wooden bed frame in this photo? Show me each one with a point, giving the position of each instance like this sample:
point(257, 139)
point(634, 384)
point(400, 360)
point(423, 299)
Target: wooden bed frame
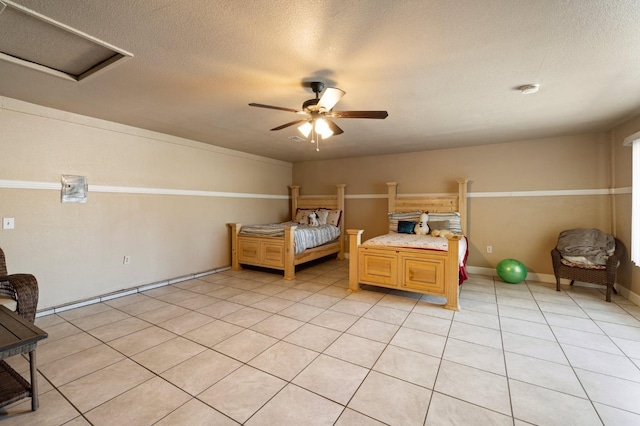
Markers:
point(422, 271)
point(279, 252)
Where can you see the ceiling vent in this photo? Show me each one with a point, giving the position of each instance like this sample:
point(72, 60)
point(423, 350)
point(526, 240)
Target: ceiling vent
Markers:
point(32, 40)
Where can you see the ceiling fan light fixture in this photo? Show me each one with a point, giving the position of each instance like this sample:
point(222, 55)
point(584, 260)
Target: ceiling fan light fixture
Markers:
point(305, 128)
point(330, 98)
point(322, 128)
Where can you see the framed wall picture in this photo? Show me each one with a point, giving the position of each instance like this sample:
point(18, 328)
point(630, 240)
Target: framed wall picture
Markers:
point(74, 189)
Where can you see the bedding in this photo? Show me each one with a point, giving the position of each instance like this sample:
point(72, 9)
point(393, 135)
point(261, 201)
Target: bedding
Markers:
point(305, 236)
point(334, 216)
point(396, 218)
point(455, 223)
point(438, 224)
point(302, 216)
point(325, 216)
point(406, 227)
point(450, 221)
point(425, 242)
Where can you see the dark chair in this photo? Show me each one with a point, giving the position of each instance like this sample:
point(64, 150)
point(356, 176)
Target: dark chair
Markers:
point(23, 288)
point(606, 276)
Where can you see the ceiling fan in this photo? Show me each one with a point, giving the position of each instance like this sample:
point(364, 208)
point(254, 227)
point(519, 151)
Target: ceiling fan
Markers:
point(317, 124)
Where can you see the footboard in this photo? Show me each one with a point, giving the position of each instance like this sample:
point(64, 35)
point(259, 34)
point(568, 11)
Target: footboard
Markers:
point(267, 252)
point(422, 271)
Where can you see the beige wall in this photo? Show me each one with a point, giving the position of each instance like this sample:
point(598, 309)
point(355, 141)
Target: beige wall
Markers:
point(525, 228)
point(76, 250)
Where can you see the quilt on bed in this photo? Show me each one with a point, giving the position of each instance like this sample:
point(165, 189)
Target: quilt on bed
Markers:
point(426, 242)
point(305, 236)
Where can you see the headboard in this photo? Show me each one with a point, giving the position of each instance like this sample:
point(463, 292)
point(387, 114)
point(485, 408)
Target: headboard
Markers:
point(439, 203)
point(332, 202)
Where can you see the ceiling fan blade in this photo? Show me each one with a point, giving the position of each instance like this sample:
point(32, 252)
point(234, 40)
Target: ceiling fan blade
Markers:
point(334, 128)
point(291, 123)
point(273, 107)
point(358, 114)
point(330, 98)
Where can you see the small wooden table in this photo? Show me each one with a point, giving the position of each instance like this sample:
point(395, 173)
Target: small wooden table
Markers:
point(18, 336)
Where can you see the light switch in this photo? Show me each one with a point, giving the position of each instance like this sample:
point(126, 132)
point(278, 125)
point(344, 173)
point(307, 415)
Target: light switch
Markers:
point(7, 223)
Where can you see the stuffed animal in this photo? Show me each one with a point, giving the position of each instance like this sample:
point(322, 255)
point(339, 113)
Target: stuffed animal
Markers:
point(441, 233)
point(313, 219)
point(422, 228)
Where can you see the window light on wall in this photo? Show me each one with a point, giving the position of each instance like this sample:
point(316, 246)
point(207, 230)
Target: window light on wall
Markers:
point(634, 141)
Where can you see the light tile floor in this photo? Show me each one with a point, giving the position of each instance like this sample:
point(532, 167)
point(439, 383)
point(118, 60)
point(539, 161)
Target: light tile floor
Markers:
point(247, 347)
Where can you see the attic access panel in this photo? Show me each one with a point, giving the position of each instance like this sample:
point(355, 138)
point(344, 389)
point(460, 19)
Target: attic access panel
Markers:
point(30, 39)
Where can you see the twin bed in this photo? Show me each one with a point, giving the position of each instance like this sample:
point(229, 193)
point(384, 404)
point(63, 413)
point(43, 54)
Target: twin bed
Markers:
point(276, 248)
point(417, 263)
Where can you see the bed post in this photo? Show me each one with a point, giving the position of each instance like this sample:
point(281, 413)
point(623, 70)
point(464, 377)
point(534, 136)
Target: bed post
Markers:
point(289, 253)
point(452, 273)
point(235, 230)
point(462, 203)
point(392, 190)
point(295, 193)
point(341, 203)
point(355, 238)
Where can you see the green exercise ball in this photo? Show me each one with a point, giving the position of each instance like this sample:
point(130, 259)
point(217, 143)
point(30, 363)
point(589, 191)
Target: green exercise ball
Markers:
point(511, 271)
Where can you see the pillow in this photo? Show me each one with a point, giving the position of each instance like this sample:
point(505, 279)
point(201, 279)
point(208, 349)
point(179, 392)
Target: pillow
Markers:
point(323, 215)
point(333, 218)
point(438, 224)
point(406, 226)
point(302, 216)
point(394, 218)
point(453, 218)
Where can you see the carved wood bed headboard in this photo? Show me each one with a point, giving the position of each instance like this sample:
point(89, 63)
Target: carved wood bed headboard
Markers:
point(332, 202)
point(439, 203)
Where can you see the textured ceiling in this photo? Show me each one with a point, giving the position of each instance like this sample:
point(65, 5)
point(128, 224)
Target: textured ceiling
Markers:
point(446, 70)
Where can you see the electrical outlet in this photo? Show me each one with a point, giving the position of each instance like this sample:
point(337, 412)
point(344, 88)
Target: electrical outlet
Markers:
point(7, 223)
point(489, 249)
point(126, 260)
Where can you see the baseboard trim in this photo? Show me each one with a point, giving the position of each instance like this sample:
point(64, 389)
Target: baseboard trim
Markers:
point(478, 270)
point(549, 278)
point(628, 294)
point(127, 292)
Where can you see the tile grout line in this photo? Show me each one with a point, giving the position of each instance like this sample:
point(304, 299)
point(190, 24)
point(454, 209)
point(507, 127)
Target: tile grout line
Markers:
point(360, 316)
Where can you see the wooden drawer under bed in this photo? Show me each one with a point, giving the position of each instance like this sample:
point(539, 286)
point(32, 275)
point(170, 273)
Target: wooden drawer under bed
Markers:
point(397, 269)
point(263, 252)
